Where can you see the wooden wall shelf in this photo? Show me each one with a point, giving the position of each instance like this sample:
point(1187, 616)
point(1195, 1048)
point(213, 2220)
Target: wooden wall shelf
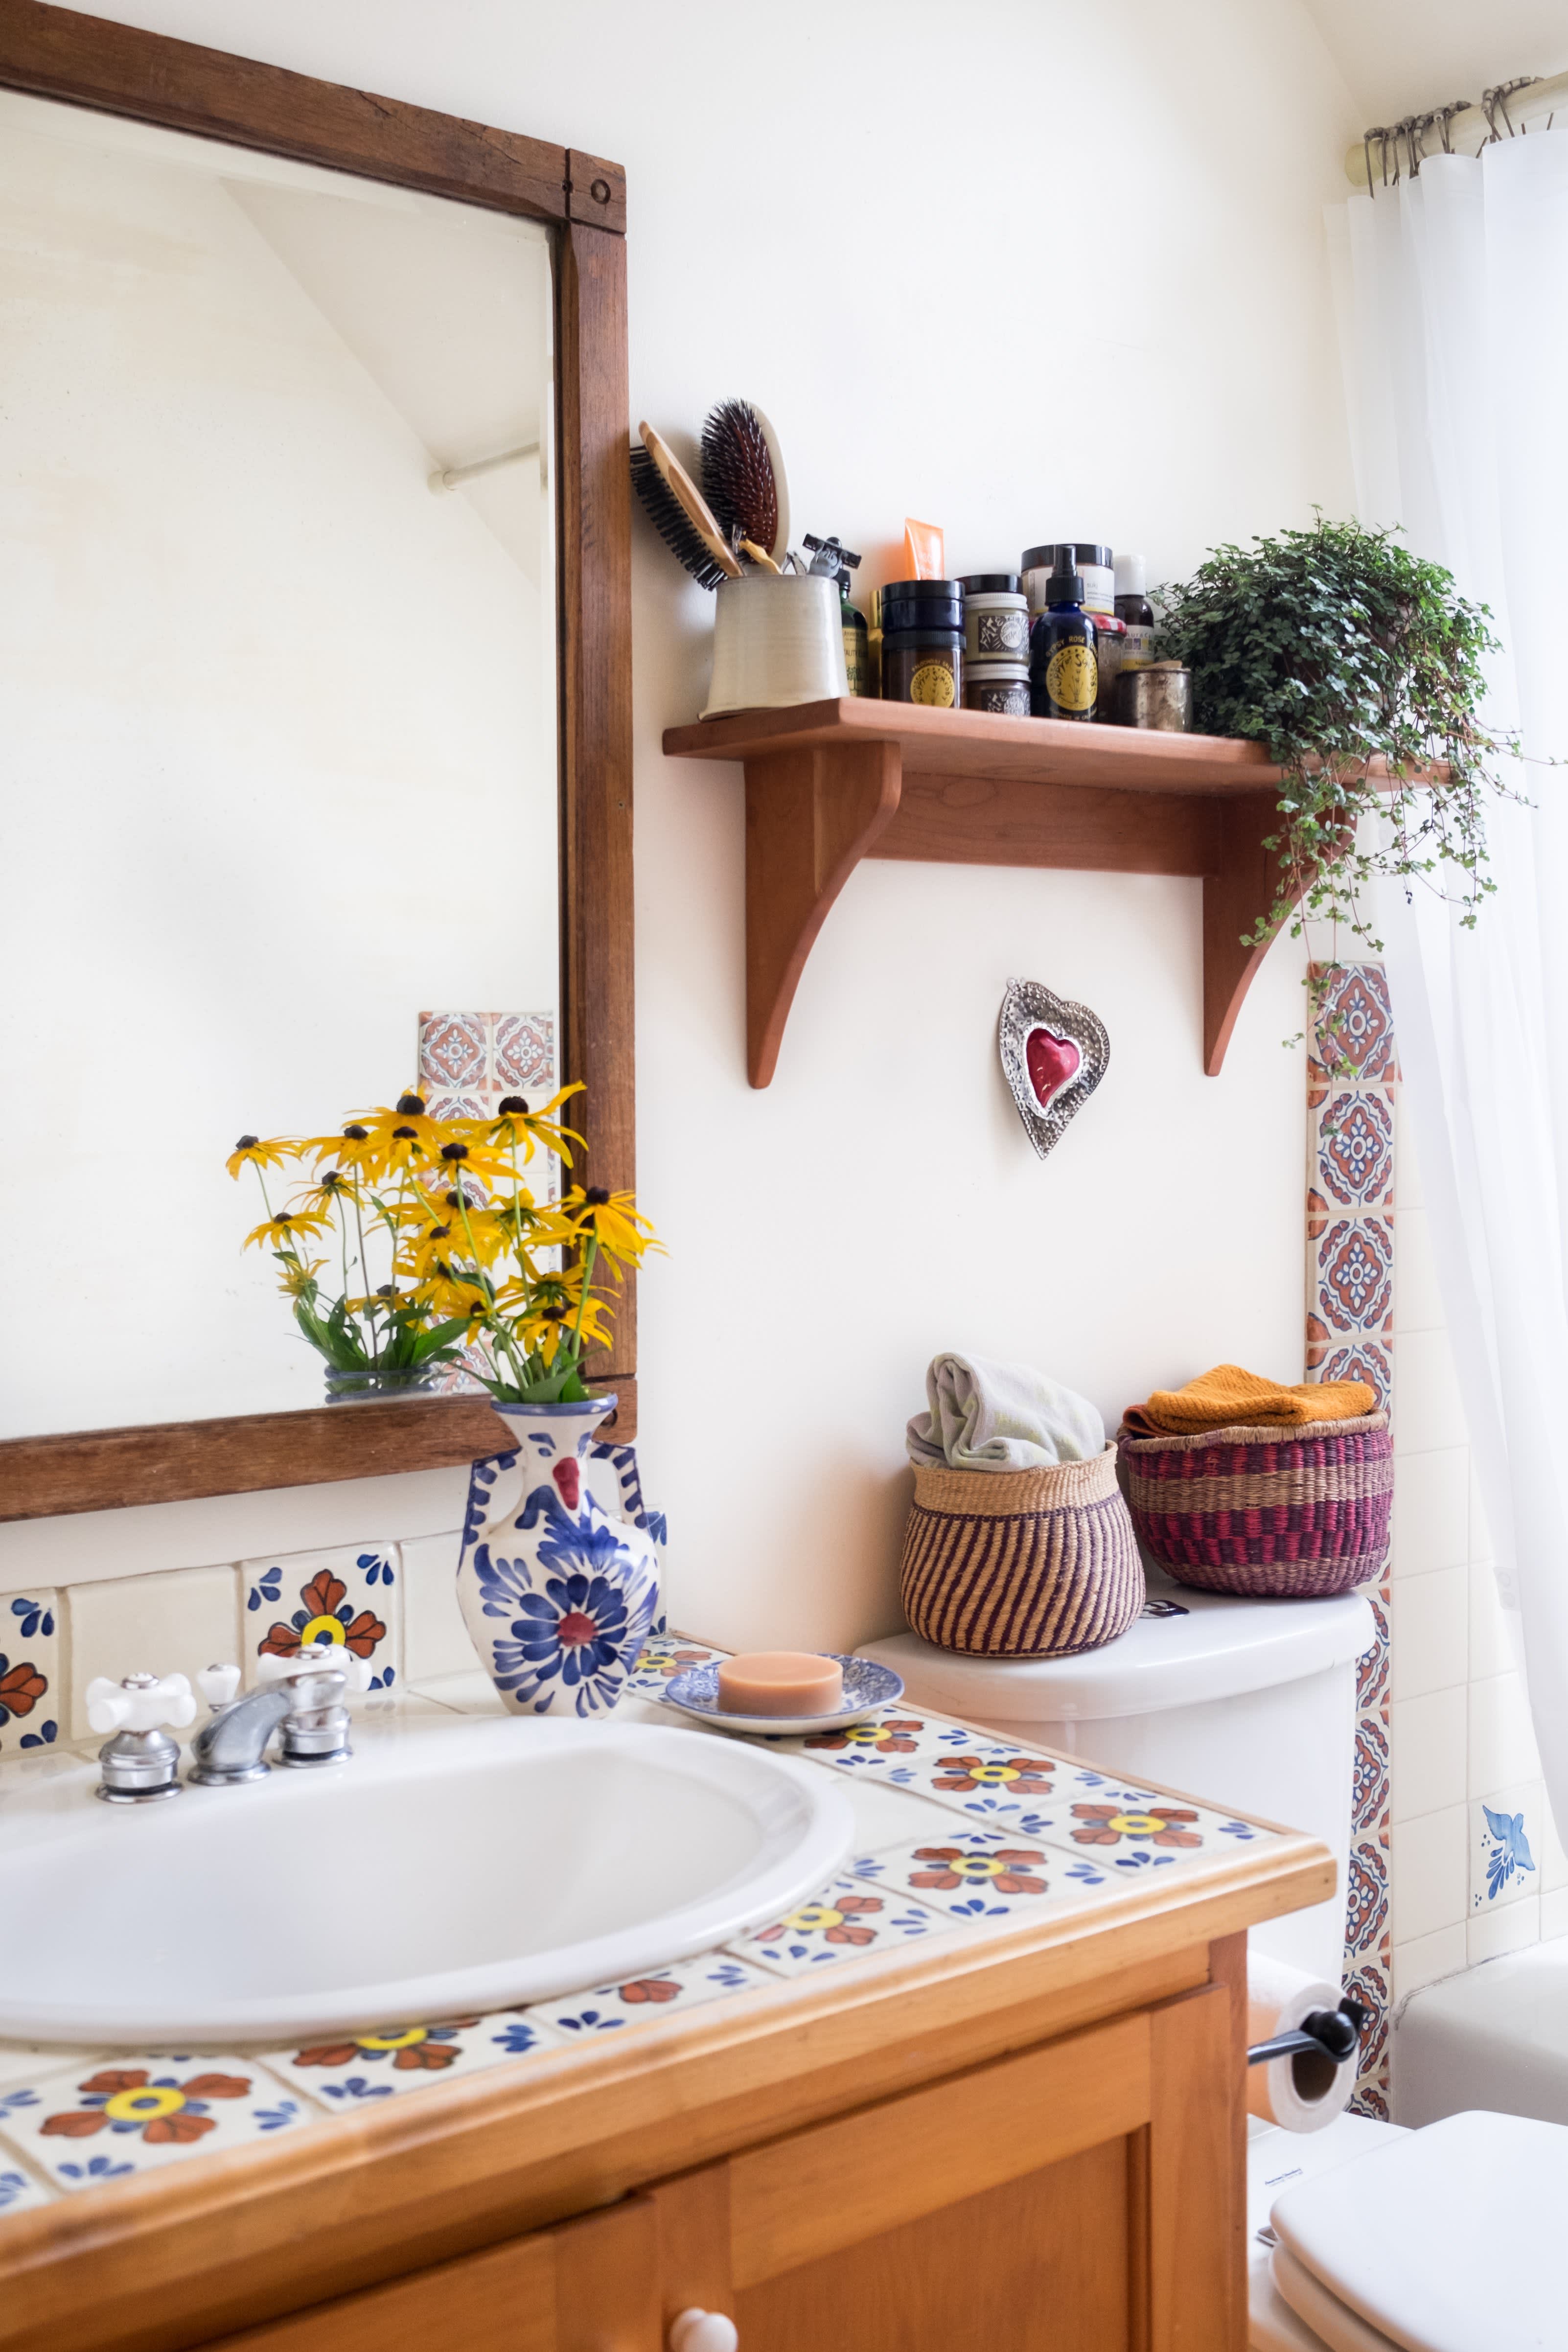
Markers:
point(830, 783)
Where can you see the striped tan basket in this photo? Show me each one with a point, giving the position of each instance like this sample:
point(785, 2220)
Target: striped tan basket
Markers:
point(1021, 1563)
point(1273, 1514)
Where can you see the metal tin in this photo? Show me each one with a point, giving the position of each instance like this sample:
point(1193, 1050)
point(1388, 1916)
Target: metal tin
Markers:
point(999, 687)
point(1159, 696)
point(995, 623)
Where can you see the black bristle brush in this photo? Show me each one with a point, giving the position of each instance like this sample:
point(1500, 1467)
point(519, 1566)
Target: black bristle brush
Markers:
point(678, 513)
point(737, 475)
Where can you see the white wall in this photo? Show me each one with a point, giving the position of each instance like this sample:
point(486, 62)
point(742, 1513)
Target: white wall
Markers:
point(1108, 314)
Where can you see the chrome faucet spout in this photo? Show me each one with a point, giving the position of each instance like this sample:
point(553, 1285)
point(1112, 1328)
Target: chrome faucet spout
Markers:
point(306, 1706)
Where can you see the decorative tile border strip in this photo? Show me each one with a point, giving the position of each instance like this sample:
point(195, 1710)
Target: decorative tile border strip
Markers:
point(1352, 1071)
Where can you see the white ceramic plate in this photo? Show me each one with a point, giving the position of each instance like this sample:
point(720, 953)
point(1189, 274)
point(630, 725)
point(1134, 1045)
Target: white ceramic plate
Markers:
point(866, 1687)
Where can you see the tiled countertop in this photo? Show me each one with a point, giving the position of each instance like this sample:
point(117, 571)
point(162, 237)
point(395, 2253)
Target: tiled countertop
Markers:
point(956, 1834)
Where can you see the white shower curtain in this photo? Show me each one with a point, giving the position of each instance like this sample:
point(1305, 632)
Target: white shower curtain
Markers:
point(1453, 294)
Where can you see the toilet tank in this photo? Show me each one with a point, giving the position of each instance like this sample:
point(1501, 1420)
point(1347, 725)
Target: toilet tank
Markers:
point(1246, 1704)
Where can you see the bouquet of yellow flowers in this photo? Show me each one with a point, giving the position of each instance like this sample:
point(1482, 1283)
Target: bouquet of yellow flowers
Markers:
point(470, 1252)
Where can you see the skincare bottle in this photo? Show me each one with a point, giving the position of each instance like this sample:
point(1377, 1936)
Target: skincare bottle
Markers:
point(1132, 606)
point(856, 642)
point(1064, 667)
point(829, 558)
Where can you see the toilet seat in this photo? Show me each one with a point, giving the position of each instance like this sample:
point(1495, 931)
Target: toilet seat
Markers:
point(1444, 2240)
point(1324, 2323)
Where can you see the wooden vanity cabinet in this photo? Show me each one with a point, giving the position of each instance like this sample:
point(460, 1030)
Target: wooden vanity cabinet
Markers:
point(1086, 2195)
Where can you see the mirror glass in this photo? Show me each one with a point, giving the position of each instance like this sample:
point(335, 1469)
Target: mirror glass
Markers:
point(278, 813)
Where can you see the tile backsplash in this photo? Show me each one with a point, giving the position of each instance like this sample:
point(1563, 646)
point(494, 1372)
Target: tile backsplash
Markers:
point(393, 1605)
point(31, 1693)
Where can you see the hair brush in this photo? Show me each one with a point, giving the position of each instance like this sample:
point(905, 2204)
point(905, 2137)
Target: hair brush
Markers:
point(679, 513)
point(742, 475)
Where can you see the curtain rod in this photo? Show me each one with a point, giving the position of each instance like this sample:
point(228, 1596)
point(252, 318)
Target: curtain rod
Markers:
point(1396, 150)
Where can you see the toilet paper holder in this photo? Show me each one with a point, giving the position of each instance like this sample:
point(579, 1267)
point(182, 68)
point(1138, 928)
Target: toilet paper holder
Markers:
point(1333, 2033)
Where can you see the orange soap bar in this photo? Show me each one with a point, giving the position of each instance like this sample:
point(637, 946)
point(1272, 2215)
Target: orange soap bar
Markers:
point(779, 1682)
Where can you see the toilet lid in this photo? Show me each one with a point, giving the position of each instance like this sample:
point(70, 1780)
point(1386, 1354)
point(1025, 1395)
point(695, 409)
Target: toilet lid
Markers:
point(1443, 2241)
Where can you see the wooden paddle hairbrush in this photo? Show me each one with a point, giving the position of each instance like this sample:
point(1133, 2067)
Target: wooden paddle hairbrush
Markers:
point(679, 513)
point(743, 477)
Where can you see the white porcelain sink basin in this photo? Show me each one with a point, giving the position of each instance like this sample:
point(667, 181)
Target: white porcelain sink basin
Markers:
point(464, 1868)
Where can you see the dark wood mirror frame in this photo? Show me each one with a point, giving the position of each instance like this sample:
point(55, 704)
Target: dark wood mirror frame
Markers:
point(113, 69)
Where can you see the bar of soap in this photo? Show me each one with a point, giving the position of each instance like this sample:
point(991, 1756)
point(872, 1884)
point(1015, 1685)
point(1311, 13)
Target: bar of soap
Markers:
point(779, 1682)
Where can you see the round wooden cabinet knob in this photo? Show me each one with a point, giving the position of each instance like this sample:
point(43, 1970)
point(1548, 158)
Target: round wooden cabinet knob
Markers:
point(703, 2331)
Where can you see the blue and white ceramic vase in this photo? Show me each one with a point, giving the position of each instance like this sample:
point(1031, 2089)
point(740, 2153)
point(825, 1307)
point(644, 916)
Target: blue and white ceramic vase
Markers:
point(559, 1577)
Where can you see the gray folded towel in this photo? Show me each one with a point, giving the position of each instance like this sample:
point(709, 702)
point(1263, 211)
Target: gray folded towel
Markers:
point(988, 1416)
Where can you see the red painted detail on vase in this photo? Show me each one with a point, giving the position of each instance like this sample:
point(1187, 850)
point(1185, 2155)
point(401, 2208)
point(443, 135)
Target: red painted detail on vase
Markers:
point(1051, 1062)
point(569, 1478)
point(577, 1628)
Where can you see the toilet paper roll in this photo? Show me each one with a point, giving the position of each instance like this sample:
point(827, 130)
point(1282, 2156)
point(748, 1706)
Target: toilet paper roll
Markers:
point(1302, 2093)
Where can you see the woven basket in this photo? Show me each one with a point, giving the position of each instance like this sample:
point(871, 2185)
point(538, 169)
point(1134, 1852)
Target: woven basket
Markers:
point(1021, 1563)
point(1274, 1513)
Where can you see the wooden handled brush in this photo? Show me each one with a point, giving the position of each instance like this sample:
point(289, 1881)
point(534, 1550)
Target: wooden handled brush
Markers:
point(679, 513)
point(743, 476)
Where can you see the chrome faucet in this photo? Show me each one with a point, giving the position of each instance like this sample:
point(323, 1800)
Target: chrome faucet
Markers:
point(303, 1705)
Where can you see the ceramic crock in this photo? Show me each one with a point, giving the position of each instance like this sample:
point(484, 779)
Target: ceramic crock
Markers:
point(559, 1575)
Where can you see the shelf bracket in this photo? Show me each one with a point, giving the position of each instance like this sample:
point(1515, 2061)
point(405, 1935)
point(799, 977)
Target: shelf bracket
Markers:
point(1236, 896)
point(811, 815)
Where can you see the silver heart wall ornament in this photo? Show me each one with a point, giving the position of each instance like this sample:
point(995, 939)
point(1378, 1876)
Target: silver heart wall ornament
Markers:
point(1055, 1054)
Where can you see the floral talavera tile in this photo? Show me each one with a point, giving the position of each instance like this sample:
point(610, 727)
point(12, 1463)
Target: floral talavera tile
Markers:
point(31, 1700)
point(344, 2070)
point(352, 1595)
point(20, 2190)
point(980, 1876)
point(847, 1920)
point(642, 2000)
point(1129, 1832)
point(99, 2123)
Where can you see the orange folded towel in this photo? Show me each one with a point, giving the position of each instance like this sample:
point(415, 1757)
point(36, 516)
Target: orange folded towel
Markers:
point(1217, 1399)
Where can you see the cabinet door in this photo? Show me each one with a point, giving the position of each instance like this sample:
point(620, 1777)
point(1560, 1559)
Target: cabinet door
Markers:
point(1082, 2197)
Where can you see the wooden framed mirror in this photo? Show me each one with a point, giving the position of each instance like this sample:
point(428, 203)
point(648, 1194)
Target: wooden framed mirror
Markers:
point(154, 106)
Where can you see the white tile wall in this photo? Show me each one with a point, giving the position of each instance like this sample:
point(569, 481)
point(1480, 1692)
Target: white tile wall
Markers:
point(1422, 1960)
point(436, 1639)
point(1428, 1413)
point(1431, 1873)
point(1431, 1504)
point(1554, 1913)
point(1502, 1744)
point(1508, 1930)
point(151, 1624)
point(1426, 1739)
point(1430, 1641)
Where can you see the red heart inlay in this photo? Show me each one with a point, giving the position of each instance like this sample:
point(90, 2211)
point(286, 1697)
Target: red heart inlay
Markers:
point(1051, 1062)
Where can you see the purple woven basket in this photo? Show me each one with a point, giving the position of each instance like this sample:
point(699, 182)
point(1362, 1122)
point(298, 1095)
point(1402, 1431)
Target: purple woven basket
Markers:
point(1271, 1514)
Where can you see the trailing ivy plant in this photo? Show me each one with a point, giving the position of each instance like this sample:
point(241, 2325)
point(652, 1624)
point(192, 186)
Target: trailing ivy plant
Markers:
point(1361, 667)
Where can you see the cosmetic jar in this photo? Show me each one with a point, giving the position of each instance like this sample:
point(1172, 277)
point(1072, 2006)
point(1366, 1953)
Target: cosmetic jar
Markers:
point(1002, 686)
point(1159, 694)
point(996, 618)
point(1092, 563)
point(922, 643)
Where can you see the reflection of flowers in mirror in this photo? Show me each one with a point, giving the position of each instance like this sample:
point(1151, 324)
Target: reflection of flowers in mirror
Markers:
point(407, 1240)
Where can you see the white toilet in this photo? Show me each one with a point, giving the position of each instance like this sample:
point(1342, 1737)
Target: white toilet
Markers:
point(1375, 2239)
point(1386, 2241)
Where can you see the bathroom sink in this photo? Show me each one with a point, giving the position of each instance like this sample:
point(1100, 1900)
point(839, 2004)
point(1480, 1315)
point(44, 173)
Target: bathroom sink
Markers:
point(442, 1871)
